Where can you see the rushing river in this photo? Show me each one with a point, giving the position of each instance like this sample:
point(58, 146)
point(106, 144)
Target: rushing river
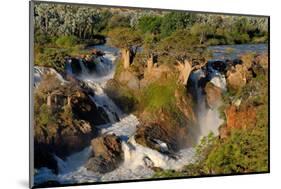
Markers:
point(72, 169)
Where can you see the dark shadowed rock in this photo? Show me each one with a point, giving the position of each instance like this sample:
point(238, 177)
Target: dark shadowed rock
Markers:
point(149, 135)
point(43, 157)
point(51, 183)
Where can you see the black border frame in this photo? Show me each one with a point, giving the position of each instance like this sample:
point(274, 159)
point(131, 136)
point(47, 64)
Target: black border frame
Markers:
point(31, 62)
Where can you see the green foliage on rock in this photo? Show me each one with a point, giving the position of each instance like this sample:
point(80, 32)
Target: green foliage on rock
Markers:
point(159, 95)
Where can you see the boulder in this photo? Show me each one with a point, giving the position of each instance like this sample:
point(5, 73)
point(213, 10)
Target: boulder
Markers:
point(85, 109)
point(156, 135)
point(121, 95)
point(106, 154)
point(213, 95)
point(129, 78)
point(236, 77)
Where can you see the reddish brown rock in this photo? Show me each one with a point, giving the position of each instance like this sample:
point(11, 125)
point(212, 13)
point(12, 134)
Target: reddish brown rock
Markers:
point(242, 117)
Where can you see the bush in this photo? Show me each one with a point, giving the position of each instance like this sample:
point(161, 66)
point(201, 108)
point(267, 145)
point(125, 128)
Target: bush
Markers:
point(66, 41)
point(52, 57)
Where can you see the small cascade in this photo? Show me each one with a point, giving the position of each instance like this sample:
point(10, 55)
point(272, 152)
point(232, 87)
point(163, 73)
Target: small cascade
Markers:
point(68, 67)
point(84, 70)
point(103, 101)
point(136, 155)
point(73, 162)
point(126, 127)
point(219, 81)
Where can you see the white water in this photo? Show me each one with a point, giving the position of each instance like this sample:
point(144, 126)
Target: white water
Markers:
point(138, 160)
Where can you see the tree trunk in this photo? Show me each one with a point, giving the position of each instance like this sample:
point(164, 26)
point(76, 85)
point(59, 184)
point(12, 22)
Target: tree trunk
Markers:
point(46, 22)
point(49, 100)
point(69, 101)
point(126, 58)
point(185, 70)
point(150, 63)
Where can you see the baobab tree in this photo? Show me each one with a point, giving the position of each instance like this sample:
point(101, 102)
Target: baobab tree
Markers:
point(71, 89)
point(48, 87)
point(128, 41)
point(186, 51)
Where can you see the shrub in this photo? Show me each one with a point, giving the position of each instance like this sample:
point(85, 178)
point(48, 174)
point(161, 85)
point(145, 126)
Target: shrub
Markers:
point(66, 41)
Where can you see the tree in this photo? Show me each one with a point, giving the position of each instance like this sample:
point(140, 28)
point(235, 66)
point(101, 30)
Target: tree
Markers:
point(117, 21)
point(202, 30)
point(128, 41)
point(149, 46)
point(150, 24)
point(50, 57)
point(70, 90)
point(186, 51)
point(176, 20)
point(49, 86)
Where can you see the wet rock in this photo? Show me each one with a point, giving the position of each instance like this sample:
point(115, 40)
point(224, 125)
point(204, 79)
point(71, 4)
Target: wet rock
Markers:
point(84, 108)
point(149, 135)
point(106, 154)
point(120, 95)
point(220, 66)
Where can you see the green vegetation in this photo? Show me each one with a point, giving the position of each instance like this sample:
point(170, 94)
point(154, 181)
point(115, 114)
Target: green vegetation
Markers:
point(159, 95)
point(66, 41)
point(128, 40)
point(51, 57)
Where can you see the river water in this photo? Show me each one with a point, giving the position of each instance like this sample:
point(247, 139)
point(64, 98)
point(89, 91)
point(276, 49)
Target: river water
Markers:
point(136, 157)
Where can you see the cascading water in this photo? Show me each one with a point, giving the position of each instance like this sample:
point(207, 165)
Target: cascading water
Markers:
point(84, 70)
point(138, 160)
point(208, 119)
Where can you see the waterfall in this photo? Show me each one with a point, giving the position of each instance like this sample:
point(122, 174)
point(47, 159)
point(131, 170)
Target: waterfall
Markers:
point(74, 161)
point(208, 119)
point(84, 70)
